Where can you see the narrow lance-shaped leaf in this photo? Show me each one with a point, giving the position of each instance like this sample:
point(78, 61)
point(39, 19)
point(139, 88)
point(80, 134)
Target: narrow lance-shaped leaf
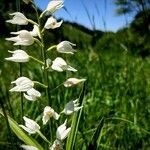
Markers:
point(75, 123)
point(21, 134)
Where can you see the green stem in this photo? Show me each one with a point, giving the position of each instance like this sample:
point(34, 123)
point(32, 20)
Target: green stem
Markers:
point(32, 22)
point(21, 96)
point(20, 66)
point(43, 137)
point(37, 60)
point(45, 72)
point(38, 42)
point(42, 14)
point(42, 85)
point(50, 48)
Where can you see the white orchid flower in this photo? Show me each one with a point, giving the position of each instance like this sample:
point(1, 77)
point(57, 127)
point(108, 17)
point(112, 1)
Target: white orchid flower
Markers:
point(72, 106)
point(73, 81)
point(62, 131)
point(18, 56)
point(57, 145)
point(35, 32)
point(32, 94)
point(23, 37)
point(23, 84)
point(66, 47)
point(28, 147)
point(30, 126)
point(18, 18)
point(48, 113)
point(52, 23)
point(60, 65)
point(54, 5)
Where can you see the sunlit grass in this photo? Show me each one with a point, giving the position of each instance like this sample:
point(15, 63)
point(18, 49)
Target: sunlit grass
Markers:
point(117, 90)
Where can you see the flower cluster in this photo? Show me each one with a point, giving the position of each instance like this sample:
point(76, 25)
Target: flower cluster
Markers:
point(26, 86)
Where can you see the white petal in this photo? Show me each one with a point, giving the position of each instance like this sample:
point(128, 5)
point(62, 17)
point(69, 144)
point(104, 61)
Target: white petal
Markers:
point(35, 32)
point(45, 119)
point(29, 97)
point(18, 18)
point(28, 147)
point(24, 38)
point(18, 56)
point(77, 108)
point(62, 132)
point(52, 23)
point(48, 109)
point(56, 115)
point(73, 81)
point(33, 92)
point(48, 113)
point(54, 5)
point(60, 65)
point(69, 68)
point(69, 108)
point(31, 124)
point(27, 129)
point(65, 134)
point(66, 47)
point(22, 84)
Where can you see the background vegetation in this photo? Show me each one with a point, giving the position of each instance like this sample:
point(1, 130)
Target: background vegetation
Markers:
point(116, 112)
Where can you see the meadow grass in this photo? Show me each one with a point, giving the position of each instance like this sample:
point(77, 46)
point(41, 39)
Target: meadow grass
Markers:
point(116, 112)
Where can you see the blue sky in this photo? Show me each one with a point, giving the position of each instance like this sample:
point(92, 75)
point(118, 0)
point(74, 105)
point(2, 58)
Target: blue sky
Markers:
point(103, 12)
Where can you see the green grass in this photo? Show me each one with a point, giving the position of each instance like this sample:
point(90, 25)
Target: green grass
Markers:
point(116, 112)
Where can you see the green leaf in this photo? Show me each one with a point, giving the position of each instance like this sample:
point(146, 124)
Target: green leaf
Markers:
point(75, 123)
point(96, 136)
point(21, 134)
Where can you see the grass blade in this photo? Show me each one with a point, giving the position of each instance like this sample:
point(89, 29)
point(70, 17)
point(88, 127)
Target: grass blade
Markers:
point(94, 144)
point(75, 123)
point(21, 134)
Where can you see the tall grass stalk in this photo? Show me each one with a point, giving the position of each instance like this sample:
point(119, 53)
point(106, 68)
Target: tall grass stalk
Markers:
point(75, 123)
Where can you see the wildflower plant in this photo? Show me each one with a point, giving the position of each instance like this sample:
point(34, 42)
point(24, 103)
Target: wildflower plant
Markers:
point(26, 86)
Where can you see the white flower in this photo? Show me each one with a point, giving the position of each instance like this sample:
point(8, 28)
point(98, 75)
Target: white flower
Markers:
point(32, 94)
point(52, 23)
point(28, 147)
point(54, 5)
point(23, 37)
point(73, 81)
point(57, 145)
point(30, 126)
point(23, 84)
point(18, 56)
point(35, 32)
point(60, 65)
point(71, 107)
point(48, 113)
point(66, 47)
point(62, 131)
point(18, 18)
